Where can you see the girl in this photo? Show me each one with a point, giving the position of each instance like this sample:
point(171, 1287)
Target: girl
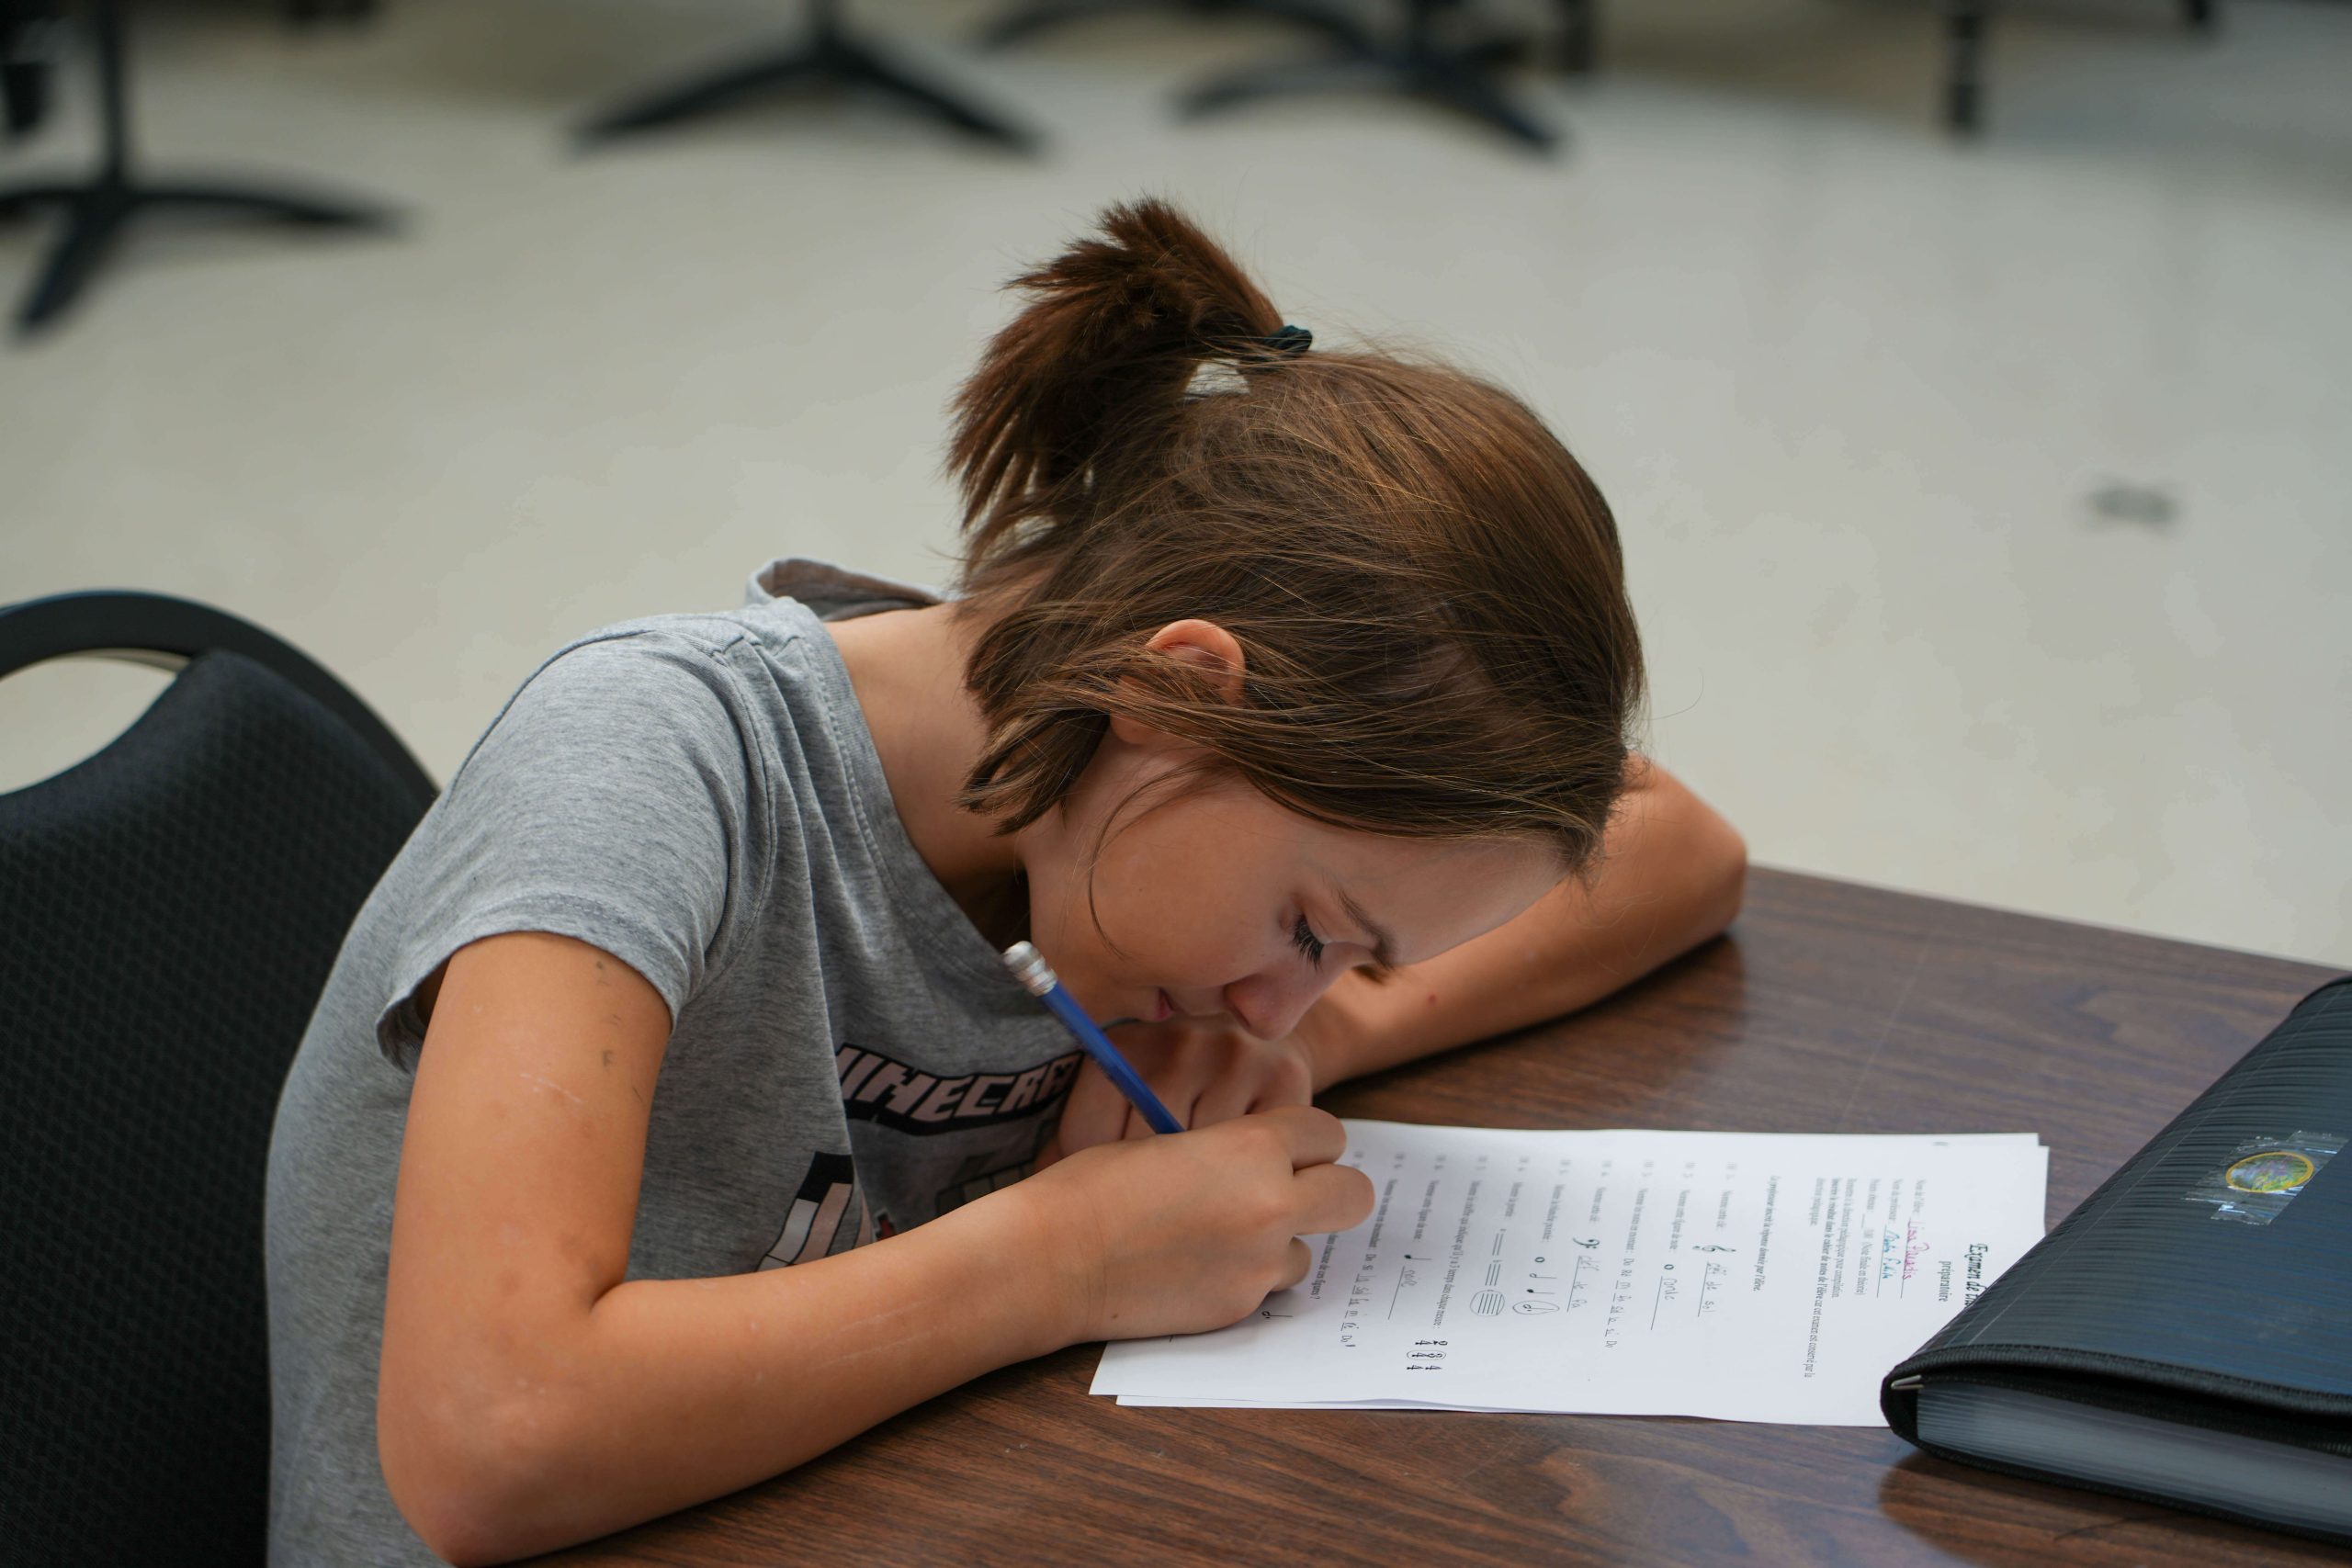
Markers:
point(669, 1117)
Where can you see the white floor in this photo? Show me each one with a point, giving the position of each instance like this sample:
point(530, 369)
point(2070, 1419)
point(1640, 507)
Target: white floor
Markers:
point(1852, 390)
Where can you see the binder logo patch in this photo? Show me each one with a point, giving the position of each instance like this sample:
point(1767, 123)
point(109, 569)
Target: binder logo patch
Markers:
point(2262, 1175)
point(2273, 1170)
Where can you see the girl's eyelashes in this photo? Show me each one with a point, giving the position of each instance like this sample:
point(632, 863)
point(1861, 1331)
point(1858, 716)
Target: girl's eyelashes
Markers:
point(1306, 942)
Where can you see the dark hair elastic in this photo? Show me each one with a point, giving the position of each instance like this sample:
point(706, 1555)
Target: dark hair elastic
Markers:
point(1290, 341)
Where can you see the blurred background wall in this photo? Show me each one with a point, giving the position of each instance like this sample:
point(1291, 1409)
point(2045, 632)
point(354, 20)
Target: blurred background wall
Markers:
point(1989, 502)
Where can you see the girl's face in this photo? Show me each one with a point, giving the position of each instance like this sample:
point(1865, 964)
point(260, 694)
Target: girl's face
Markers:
point(1218, 900)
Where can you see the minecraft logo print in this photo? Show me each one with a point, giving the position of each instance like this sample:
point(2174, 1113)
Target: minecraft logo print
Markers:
point(907, 1100)
point(827, 1215)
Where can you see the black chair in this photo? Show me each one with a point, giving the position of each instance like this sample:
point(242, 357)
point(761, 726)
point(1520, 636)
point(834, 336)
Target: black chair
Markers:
point(169, 910)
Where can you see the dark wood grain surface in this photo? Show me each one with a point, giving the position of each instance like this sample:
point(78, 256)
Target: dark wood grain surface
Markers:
point(1829, 1008)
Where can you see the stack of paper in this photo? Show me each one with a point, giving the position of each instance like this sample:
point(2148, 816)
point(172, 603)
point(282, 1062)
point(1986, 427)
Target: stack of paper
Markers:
point(1751, 1277)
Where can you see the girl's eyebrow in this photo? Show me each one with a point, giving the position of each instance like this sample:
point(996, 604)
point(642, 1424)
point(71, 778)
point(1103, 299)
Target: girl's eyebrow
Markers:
point(1384, 946)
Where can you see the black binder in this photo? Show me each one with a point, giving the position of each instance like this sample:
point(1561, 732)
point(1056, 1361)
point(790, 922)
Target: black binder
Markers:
point(2184, 1337)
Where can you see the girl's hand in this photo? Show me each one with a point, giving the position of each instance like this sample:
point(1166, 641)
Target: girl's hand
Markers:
point(1188, 1232)
point(1204, 1070)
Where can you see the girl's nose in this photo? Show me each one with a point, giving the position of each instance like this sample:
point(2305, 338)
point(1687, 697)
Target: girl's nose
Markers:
point(1270, 1005)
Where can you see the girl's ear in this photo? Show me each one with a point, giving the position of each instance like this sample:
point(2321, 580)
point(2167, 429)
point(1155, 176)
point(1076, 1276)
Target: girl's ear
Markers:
point(1205, 645)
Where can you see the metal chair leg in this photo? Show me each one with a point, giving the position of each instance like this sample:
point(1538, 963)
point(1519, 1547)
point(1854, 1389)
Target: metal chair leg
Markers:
point(1452, 76)
point(1964, 25)
point(889, 76)
point(701, 95)
point(1028, 21)
point(829, 56)
point(290, 206)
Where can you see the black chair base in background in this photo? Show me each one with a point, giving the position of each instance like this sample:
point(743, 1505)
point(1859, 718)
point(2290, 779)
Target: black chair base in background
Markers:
point(1454, 76)
point(302, 12)
point(828, 58)
point(1046, 15)
point(93, 213)
point(97, 209)
point(1966, 22)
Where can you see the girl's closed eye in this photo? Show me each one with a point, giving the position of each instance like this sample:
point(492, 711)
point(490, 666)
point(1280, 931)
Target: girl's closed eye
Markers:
point(1307, 942)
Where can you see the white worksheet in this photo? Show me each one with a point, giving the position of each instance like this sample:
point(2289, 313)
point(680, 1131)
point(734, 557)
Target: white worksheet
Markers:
point(1750, 1277)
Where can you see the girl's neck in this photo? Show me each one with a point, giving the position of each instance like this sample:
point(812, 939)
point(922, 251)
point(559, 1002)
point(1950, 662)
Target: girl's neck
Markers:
point(907, 667)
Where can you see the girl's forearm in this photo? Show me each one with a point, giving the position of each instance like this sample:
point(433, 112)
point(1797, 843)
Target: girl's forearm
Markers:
point(668, 1392)
point(1671, 878)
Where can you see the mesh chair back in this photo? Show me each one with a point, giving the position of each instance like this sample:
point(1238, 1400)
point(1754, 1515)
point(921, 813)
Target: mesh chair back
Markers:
point(169, 910)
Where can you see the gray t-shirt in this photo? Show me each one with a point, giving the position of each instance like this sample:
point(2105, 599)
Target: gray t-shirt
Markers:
point(698, 796)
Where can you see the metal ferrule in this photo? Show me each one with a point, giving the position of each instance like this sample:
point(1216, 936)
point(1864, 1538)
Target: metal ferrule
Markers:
point(1029, 968)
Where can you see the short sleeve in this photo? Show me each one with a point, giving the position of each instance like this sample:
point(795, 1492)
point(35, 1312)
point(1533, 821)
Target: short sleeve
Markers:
point(620, 799)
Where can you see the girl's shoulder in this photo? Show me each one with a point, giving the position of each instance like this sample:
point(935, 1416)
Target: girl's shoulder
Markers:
point(654, 663)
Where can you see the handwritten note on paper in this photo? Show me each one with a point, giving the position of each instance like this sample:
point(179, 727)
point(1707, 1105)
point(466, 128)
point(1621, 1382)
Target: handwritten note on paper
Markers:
point(1752, 1276)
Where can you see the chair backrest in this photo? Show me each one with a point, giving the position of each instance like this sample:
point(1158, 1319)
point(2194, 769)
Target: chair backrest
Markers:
point(169, 910)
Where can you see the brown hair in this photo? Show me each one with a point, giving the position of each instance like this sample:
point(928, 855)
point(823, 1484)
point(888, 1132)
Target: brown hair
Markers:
point(1427, 588)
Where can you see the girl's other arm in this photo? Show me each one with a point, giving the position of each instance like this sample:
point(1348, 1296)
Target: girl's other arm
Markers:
point(1670, 877)
point(530, 1396)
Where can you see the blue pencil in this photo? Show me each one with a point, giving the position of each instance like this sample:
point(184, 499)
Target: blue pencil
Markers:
point(1029, 968)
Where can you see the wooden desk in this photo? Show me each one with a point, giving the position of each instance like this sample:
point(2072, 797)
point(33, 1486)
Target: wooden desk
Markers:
point(1829, 1008)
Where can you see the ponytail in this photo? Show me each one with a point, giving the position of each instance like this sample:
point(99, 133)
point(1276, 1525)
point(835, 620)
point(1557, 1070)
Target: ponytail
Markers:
point(1089, 377)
